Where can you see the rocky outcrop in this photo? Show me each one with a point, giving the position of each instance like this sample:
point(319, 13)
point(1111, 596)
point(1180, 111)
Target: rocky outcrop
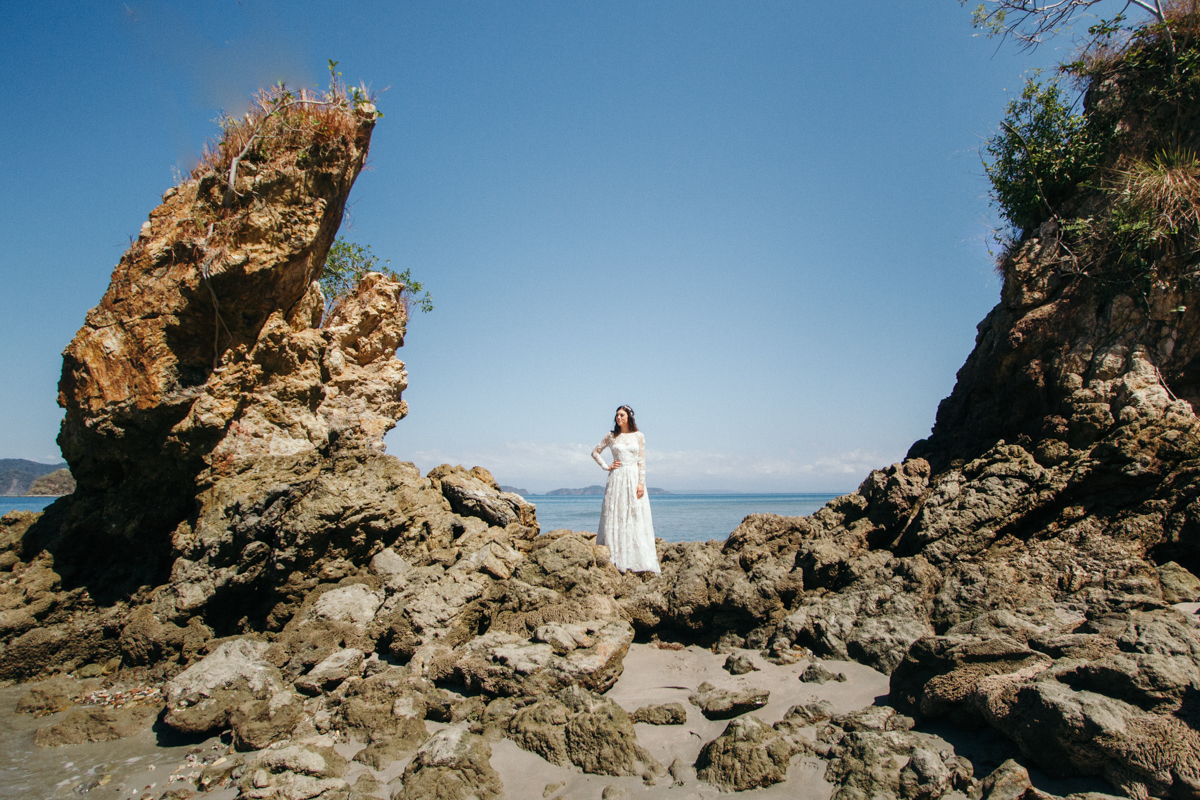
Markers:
point(749, 755)
point(579, 727)
point(717, 703)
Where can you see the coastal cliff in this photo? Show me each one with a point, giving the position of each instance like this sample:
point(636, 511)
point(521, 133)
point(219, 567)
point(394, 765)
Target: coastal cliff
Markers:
point(240, 543)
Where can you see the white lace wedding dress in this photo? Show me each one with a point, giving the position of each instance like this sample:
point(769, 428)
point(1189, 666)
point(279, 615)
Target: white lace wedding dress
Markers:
point(625, 523)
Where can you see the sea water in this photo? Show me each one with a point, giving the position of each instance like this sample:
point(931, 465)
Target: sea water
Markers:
point(8, 504)
point(679, 517)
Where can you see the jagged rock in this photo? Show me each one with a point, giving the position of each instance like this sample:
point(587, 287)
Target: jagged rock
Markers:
point(808, 714)
point(388, 710)
point(202, 697)
point(452, 765)
point(294, 773)
point(96, 725)
point(217, 774)
point(476, 494)
point(663, 714)
point(748, 755)
point(817, 673)
point(1009, 781)
point(1178, 585)
point(739, 664)
point(578, 727)
point(210, 306)
point(355, 605)
point(717, 703)
point(331, 672)
point(939, 675)
point(258, 723)
point(1091, 734)
point(505, 663)
point(875, 618)
point(887, 763)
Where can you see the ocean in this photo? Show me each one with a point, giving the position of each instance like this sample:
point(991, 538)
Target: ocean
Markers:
point(8, 504)
point(677, 517)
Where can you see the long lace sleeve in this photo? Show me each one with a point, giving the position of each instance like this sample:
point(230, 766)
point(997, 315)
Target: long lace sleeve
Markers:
point(641, 459)
point(608, 438)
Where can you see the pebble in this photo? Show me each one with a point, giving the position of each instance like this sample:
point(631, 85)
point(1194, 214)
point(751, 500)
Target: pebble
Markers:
point(120, 698)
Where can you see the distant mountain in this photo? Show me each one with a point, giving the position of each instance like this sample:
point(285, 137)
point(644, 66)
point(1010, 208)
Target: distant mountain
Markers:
point(16, 474)
point(593, 490)
point(514, 490)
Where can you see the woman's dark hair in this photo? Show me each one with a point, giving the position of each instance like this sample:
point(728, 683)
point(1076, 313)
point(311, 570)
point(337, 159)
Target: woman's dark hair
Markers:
point(632, 424)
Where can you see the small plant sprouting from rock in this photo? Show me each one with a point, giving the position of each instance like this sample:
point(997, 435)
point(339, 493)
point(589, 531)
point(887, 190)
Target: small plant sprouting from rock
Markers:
point(346, 265)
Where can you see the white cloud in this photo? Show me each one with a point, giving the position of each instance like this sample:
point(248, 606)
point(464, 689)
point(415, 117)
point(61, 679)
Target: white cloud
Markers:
point(541, 466)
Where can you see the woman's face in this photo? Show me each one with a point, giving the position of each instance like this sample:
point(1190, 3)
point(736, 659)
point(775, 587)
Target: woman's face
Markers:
point(622, 419)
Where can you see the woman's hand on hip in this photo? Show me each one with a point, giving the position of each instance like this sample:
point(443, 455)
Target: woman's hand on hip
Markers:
point(614, 465)
point(641, 491)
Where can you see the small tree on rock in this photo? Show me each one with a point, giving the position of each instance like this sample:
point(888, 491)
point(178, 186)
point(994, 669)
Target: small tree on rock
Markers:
point(346, 265)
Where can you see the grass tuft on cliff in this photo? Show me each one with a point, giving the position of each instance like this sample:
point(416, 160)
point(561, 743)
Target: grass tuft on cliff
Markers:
point(282, 121)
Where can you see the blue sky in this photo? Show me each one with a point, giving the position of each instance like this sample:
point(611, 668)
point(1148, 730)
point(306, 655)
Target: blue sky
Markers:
point(762, 224)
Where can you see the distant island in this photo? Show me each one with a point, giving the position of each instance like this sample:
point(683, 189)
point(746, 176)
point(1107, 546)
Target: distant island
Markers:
point(594, 490)
point(20, 477)
point(514, 490)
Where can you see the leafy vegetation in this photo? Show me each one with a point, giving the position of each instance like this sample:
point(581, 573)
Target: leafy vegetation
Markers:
point(1121, 178)
point(346, 265)
point(1042, 152)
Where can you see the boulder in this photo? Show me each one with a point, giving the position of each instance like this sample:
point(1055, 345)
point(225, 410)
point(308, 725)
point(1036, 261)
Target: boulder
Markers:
point(387, 710)
point(579, 727)
point(749, 755)
point(818, 674)
point(201, 698)
point(475, 494)
point(589, 655)
point(662, 714)
point(258, 723)
point(294, 772)
point(717, 703)
point(872, 763)
point(1178, 585)
point(739, 664)
point(453, 765)
point(1009, 781)
point(331, 672)
point(354, 605)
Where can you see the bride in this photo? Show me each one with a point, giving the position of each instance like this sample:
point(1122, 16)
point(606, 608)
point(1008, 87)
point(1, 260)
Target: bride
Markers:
point(625, 524)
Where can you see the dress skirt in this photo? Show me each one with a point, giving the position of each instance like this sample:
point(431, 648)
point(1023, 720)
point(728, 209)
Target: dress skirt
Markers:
point(625, 524)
